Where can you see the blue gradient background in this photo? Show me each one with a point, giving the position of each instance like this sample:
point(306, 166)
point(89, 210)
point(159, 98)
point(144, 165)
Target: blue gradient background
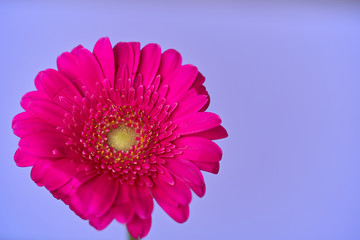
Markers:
point(285, 78)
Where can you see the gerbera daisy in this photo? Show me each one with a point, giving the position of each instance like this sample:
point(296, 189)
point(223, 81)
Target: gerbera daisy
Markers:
point(110, 130)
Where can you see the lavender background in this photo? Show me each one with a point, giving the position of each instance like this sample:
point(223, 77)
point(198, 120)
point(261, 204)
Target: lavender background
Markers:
point(285, 78)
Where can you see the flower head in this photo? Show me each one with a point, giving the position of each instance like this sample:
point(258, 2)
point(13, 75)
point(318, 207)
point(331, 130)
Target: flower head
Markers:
point(110, 130)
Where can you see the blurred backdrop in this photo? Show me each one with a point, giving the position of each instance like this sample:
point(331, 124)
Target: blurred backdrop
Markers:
point(285, 78)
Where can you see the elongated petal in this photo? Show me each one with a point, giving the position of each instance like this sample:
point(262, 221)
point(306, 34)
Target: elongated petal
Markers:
point(64, 192)
point(163, 198)
point(189, 173)
point(138, 227)
point(202, 91)
point(199, 149)
point(123, 194)
point(95, 197)
point(213, 133)
point(179, 213)
point(48, 112)
point(20, 117)
point(178, 193)
point(38, 171)
point(141, 201)
point(24, 160)
point(149, 63)
point(58, 173)
point(67, 64)
point(30, 97)
point(189, 104)
point(128, 54)
point(179, 82)
point(30, 125)
point(123, 213)
point(54, 84)
point(44, 144)
point(122, 74)
point(67, 191)
point(211, 167)
point(165, 176)
point(101, 222)
point(174, 201)
point(53, 173)
point(104, 54)
point(199, 80)
point(196, 122)
point(90, 71)
point(170, 60)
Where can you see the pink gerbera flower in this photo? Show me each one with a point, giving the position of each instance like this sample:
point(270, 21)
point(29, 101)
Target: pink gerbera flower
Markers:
point(110, 130)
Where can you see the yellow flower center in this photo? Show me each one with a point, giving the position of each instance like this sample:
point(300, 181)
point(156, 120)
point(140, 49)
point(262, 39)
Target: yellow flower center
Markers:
point(122, 138)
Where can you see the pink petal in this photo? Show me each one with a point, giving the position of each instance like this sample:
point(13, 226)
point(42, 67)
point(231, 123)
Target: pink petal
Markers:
point(38, 171)
point(179, 82)
point(175, 194)
point(67, 64)
point(53, 173)
point(95, 197)
point(104, 53)
point(123, 213)
point(83, 176)
point(163, 198)
point(24, 160)
point(171, 202)
point(89, 69)
point(47, 111)
point(66, 192)
point(54, 84)
point(149, 63)
point(44, 144)
point(23, 127)
point(138, 227)
point(128, 54)
point(20, 117)
point(199, 80)
point(189, 173)
point(179, 213)
point(196, 122)
point(188, 105)
point(141, 201)
point(101, 222)
point(165, 176)
point(31, 97)
point(199, 149)
point(212, 167)
point(58, 173)
point(123, 194)
point(122, 209)
point(122, 75)
point(170, 60)
point(213, 134)
point(202, 91)
point(76, 50)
